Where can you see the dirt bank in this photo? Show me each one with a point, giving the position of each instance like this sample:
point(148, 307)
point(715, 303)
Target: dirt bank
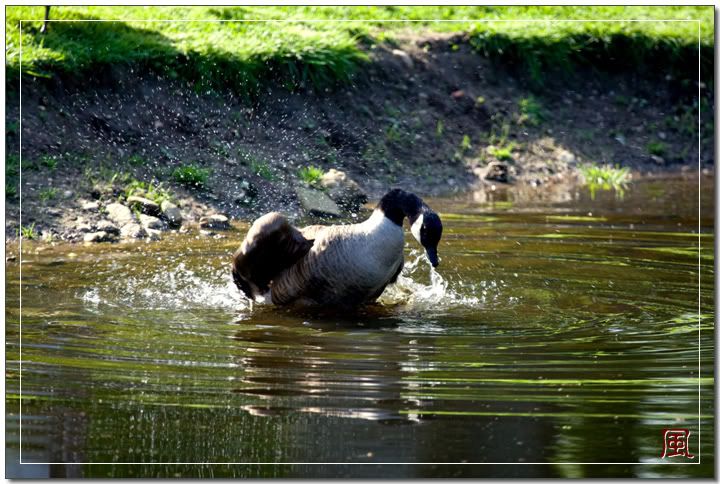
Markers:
point(428, 114)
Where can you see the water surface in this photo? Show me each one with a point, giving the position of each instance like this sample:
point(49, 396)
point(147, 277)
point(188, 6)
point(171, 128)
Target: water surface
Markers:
point(554, 336)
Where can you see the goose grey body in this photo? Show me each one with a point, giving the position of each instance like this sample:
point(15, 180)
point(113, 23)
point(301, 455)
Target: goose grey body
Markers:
point(337, 265)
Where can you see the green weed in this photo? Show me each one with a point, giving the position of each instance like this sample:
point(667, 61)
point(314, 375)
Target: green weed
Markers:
point(530, 111)
point(48, 194)
point(262, 169)
point(29, 232)
point(10, 189)
point(49, 162)
point(311, 175)
point(155, 192)
point(465, 143)
point(605, 177)
point(191, 175)
point(501, 153)
point(137, 160)
point(439, 128)
point(656, 148)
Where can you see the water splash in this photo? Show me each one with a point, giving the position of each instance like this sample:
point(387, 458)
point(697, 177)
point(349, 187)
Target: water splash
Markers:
point(409, 295)
point(179, 288)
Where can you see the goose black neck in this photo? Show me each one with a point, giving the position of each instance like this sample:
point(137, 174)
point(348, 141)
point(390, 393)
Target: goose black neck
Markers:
point(398, 204)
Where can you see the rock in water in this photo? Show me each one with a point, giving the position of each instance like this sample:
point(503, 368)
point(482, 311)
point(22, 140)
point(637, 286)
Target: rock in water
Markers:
point(132, 230)
point(97, 237)
point(119, 213)
point(150, 222)
point(316, 202)
point(217, 221)
point(343, 190)
point(108, 226)
point(153, 234)
point(171, 213)
point(145, 205)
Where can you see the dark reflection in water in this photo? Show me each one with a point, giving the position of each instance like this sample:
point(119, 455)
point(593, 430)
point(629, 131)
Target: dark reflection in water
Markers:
point(554, 336)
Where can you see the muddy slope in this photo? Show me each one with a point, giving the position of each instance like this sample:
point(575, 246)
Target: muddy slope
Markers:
point(428, 114)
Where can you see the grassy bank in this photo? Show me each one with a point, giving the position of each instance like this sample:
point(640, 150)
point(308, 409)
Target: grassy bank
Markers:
point(323, 45)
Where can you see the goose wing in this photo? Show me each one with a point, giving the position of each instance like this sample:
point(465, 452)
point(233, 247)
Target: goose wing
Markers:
point(271, 245)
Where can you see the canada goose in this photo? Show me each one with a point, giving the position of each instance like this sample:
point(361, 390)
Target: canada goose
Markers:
point(337, 265)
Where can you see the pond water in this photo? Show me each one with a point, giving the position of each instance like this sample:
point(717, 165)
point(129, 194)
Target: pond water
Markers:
point(554, 337)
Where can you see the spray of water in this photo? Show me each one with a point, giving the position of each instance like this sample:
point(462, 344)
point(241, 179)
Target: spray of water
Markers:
point(177, 289)
point(409, 295)
point(182, 288)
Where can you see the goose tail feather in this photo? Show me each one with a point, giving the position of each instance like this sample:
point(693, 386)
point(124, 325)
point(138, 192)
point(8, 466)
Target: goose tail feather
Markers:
point(271, 245)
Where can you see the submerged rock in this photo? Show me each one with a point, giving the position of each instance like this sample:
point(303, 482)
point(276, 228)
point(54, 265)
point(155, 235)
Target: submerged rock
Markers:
point(145, 205)
point(119, 213)
point(150, 222)
point(100, 236)
point(343, 190)
point(316, 202)
point(132, 230)
point(108, 226)
point(217, 221)
point(171, 213)
point(153, 234)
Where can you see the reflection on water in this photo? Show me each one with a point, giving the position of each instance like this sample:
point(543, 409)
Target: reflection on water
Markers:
point(552, 335)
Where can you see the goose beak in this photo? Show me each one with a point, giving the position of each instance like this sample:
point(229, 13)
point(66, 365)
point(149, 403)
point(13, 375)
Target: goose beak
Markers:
point(432, 256)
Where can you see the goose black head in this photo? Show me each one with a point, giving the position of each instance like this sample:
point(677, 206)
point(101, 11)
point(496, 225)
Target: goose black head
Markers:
point(427, 229)
point(425, 224)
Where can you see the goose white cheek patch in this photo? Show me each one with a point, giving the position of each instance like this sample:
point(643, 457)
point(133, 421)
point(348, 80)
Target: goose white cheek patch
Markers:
point(415, 228)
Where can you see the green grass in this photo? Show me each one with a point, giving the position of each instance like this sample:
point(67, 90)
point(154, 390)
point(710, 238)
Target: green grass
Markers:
point(155, 192)
point(531, 111)
point(49, 162)
point(439, 128)
point(28, 232)
point(48, 194)
point(657, 148)
point(12, 170)
point(502, 153)
point(605, 177)
point(11, 189)
point(311, 175)
point(262, 169)
point(191, 175)
point(297, 52)
point(137, 160)
point(465, 144)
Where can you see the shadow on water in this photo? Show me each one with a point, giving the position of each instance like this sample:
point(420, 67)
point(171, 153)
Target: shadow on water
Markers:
point(552, 336)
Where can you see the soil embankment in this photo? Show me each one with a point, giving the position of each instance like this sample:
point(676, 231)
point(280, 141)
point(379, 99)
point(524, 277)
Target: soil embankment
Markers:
point(428, 114)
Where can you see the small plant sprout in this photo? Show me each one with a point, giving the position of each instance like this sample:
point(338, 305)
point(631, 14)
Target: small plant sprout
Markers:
point(136, 160)
point(502, 154)
point(311, 175)
point(393, 133)
point(465, 143)
point(28, 232)
point(156, 193)
point(439, 128)
point(48, 194)
point(49, 162)
point(605, 177)
point(656, 148)
point(191, 175)
point(262, 169)
point(530, 111)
